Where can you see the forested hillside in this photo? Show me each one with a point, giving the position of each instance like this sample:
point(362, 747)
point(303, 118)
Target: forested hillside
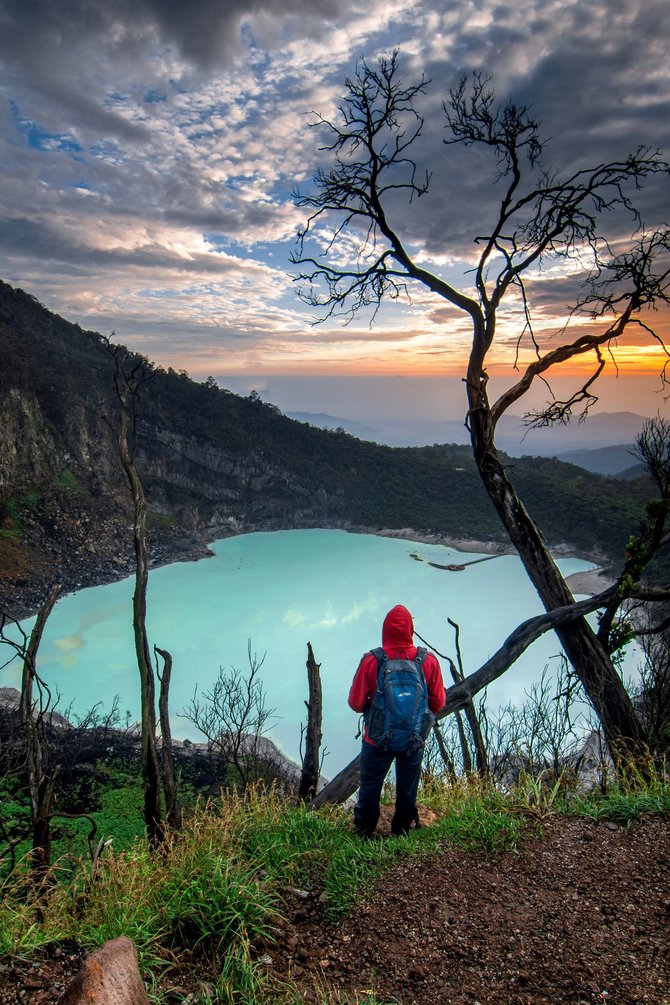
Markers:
point(214, 463)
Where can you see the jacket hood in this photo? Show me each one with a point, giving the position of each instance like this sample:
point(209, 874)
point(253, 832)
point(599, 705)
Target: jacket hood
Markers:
point(398, 628)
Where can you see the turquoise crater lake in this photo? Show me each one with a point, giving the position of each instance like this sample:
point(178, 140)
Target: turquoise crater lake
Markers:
point(280, 590)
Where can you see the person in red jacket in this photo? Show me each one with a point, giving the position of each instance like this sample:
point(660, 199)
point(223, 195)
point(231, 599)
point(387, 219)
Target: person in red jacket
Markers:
point(398, 643)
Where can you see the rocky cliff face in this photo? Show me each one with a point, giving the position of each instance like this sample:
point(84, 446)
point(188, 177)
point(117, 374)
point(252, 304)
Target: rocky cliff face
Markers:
point(213, 489)
point(65, 510)
point(27, 444)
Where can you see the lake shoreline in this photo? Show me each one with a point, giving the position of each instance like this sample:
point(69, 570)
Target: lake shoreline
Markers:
point(587, 582)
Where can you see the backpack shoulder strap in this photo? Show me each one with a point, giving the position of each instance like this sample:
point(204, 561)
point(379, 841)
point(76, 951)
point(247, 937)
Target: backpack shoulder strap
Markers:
point(421, 654)
point(381, 657)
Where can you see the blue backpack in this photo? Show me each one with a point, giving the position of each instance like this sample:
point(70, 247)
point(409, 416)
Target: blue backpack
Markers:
point(398, 713)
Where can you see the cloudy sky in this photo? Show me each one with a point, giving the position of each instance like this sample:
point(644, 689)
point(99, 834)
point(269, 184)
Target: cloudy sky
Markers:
point(150, 150)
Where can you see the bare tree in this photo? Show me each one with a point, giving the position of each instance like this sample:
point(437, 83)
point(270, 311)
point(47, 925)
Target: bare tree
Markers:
point(540, 216)
point(541, 734)
point(443, 751)
point(345, 783)
point(618, 622)
point(130, 374)
point(41, 773)
point(652, 447)
point(170, 780)
point(652, 696)
point(311, 761)
point(457, 671)
point(234, 717)
point(36, 712)
point(8, 846)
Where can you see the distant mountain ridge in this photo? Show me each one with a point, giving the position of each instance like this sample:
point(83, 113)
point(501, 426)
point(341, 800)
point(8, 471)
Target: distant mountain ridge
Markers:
point(615, 430)
point(213, 463)
point(617, 461)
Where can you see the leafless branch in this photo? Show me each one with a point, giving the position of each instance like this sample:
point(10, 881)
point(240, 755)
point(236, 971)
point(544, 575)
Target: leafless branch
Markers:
point(234, 716)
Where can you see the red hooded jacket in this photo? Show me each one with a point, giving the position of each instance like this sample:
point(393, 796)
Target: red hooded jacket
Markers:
point(398, 643)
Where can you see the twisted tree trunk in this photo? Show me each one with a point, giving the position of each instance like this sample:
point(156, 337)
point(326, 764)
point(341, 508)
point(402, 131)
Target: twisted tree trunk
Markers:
point(458, 695)
point(591, 662)
point(170, 782)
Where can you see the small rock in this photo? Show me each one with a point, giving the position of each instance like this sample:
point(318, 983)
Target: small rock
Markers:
point(108, 976)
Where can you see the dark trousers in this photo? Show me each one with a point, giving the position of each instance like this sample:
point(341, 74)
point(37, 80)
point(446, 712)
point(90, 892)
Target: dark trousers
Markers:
point(375, 764)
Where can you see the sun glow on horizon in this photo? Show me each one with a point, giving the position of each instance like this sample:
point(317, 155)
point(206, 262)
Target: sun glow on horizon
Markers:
point(370, 353)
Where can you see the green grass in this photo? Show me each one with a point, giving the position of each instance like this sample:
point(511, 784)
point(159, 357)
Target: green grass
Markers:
point(157, 521)
point(66, 481)
point(120, 814)
point(198, 891)
point(621, 807)
point(10, 515)
point(12, 529)
point(218, 890)
point(639, 791)
point(119, 818)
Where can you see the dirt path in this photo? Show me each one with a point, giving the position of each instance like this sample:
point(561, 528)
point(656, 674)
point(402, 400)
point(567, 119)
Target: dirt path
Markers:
point(580, 915)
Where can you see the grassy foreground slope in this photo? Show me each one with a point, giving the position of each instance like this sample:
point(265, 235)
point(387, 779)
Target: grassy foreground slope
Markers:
point(258, 900)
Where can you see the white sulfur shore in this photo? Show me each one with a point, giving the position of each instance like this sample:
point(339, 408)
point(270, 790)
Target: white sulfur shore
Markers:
point(591, 582)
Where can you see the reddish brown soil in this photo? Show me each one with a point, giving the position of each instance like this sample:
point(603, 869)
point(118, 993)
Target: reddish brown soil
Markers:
point(580, 914)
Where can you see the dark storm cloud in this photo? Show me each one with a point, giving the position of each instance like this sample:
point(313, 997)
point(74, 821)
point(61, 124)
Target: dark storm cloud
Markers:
point(61, 51)
point(206, 32)
point(596, 76)
point(607, 88)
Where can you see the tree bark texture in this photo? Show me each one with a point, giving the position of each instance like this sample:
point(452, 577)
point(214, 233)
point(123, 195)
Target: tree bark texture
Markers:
point(444, 753)
point(458, 675)
point(309, 778)
point(341, 787)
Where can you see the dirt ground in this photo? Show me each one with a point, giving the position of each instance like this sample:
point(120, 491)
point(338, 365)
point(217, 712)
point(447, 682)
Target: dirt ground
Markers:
point(580, 914)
